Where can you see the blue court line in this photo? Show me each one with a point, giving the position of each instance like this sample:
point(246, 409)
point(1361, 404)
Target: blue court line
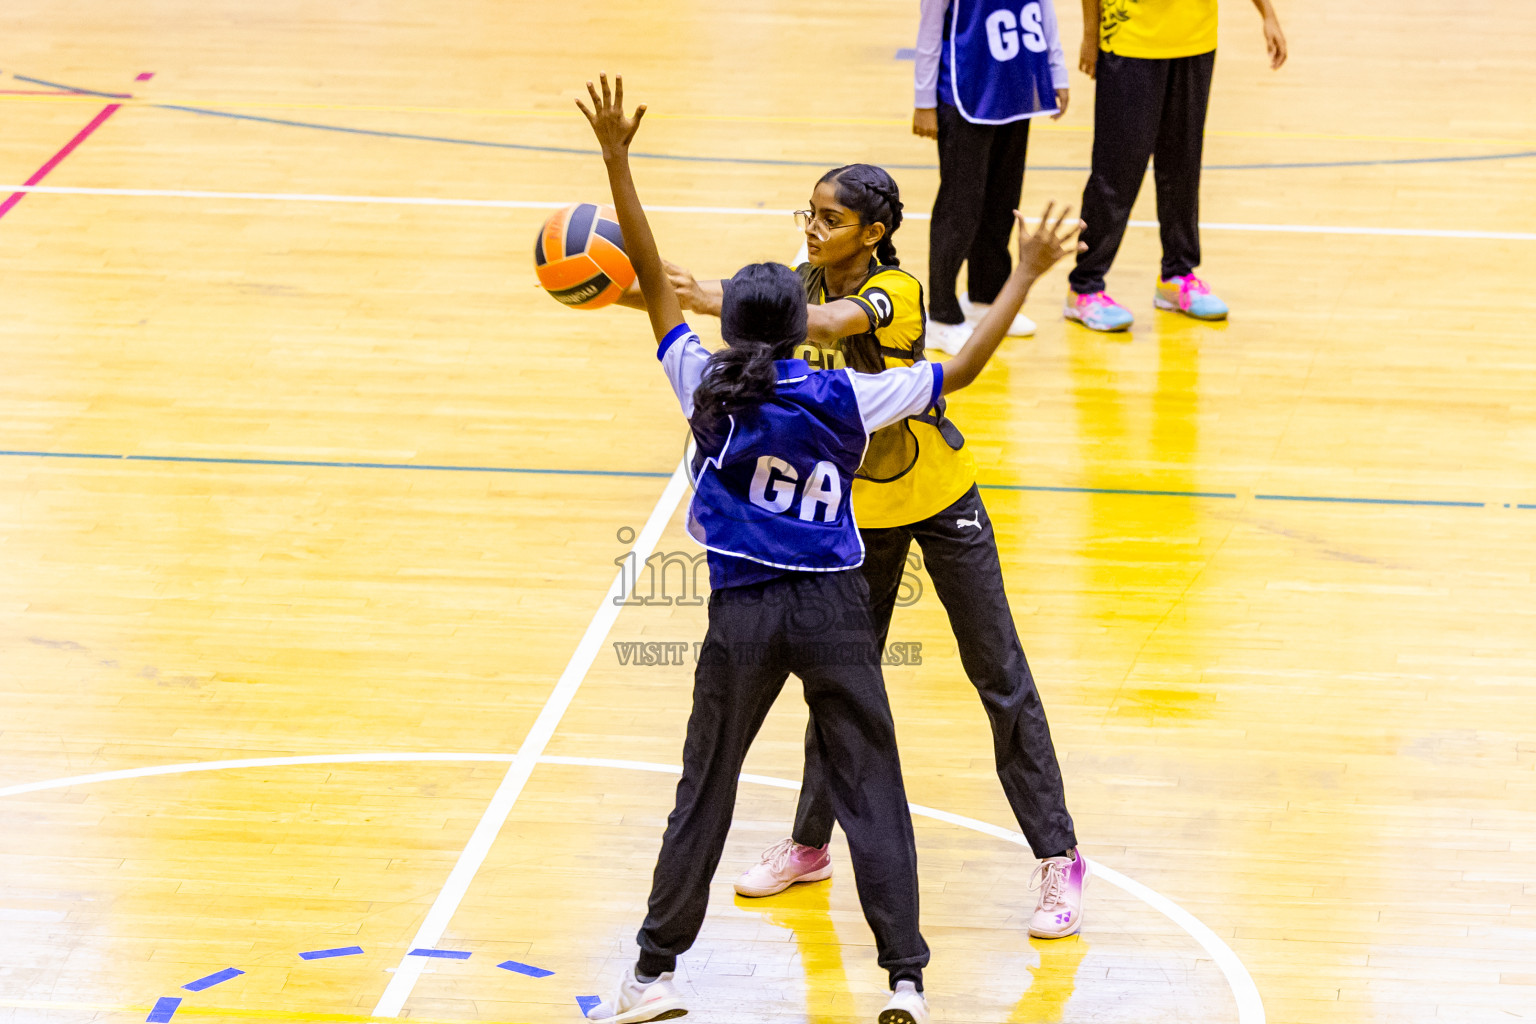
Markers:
point(906, 53)
point(587, 1002)
point(528, 969)
point(165, 1009)
point(1369, 501)
point(750, 161)
point(325, 954)
point(320, 464)
point(1105, 490)
point(536, 471)
point(1525, 506)
point(441, 954)
point(74, 88)
point(213, 979)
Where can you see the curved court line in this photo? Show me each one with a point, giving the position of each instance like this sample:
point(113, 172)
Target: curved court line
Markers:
point(392, 1002)
point(1250, 1006)
point(768, 162)
point(746, 161)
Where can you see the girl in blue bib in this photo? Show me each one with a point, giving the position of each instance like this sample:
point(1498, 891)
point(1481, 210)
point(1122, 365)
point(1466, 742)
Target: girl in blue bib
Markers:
point(778, 446)
point(984, 68)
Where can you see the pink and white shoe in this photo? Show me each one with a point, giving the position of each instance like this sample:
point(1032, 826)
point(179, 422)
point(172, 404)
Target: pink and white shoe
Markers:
point(1097, 312)
point(636, 1001)
point(1189, 295)
point(1060, 910)
point(784, 864)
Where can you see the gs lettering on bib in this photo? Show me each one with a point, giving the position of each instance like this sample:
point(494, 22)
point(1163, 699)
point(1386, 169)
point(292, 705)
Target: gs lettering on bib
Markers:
point(997, 60)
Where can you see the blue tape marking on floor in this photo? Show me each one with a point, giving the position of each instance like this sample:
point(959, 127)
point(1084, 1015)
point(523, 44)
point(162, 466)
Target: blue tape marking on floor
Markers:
point(587, 1002)
point(165, 1009)
point(317, 463)
point(73, 88)
point(1106, 490)
point(531, 971)
point(1525, 506)
point(441, 954)
point(1369, 501)
point(213, 979)
point(324, 954)
point(906, 53)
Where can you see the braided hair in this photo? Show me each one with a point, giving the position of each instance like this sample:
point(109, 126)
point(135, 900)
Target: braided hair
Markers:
point(873, 194)
point(762, 318)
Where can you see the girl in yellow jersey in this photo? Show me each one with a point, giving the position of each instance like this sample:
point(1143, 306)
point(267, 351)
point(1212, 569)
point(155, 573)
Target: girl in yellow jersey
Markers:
point(918, 482)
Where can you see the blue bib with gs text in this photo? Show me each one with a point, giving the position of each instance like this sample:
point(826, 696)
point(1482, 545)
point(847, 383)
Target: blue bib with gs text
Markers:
point(995, 64)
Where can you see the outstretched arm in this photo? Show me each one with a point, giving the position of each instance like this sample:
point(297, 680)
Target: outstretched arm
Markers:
point(614, 133)
point(824, 323)
point(1038, 252)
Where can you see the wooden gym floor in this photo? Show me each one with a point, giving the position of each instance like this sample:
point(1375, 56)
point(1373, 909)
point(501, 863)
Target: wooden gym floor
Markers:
point(301, 472)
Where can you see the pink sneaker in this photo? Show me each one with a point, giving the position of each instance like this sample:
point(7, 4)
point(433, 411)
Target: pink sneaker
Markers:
point(1191, 296)
point(1060, 910)
point(1097, 312)
point(784, 864)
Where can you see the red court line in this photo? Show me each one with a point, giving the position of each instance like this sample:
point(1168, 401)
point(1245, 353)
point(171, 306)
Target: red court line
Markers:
point(58, 158)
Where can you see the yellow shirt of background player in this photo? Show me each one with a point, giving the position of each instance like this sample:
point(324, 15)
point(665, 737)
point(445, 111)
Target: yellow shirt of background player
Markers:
point(1157, 29)
point(918, 467)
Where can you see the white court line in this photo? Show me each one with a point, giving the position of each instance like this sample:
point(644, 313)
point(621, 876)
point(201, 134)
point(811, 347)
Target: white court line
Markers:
point(1250, 1007)
point(737, 211)
point(452, 894)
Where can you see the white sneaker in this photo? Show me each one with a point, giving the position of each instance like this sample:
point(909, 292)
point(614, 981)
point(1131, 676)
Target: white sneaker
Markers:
point(782, 865)
point(1060, 910)
point(907, 1006)
point(947, 338)
point(635, 1001)
point(1022, 326)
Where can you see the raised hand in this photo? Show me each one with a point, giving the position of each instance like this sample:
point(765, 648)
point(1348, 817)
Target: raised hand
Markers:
point(613, 130)
point(1040, 249)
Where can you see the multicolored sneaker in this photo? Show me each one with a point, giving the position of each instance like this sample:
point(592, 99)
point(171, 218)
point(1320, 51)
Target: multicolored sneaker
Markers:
point(637, 1001)
point(1190, 296)
point(1097, 312)
point(907, 1006)
point(1060, 910)
point(784, 864)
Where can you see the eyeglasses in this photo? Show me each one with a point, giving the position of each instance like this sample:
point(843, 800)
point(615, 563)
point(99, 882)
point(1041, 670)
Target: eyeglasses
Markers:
point(814, 225)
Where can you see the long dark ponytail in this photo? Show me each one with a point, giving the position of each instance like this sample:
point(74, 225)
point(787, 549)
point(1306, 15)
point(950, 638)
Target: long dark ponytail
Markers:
point(871, 193)
point(762, 318)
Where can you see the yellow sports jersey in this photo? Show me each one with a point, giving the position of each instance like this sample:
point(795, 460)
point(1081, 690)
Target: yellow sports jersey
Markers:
point(1157, 29)
point(920, 466)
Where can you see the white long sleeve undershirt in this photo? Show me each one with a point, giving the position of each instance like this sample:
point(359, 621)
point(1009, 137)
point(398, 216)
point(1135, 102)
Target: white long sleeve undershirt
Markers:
point(930, 37)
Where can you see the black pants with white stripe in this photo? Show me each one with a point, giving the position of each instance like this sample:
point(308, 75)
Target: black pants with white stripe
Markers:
point(816, 625)
point(960, 552)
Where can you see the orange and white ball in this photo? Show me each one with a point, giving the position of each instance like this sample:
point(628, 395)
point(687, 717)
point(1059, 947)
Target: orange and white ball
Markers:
point(580, 259)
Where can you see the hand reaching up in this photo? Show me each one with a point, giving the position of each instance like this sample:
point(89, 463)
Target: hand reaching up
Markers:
point(614, 131)
point(1041, 249)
